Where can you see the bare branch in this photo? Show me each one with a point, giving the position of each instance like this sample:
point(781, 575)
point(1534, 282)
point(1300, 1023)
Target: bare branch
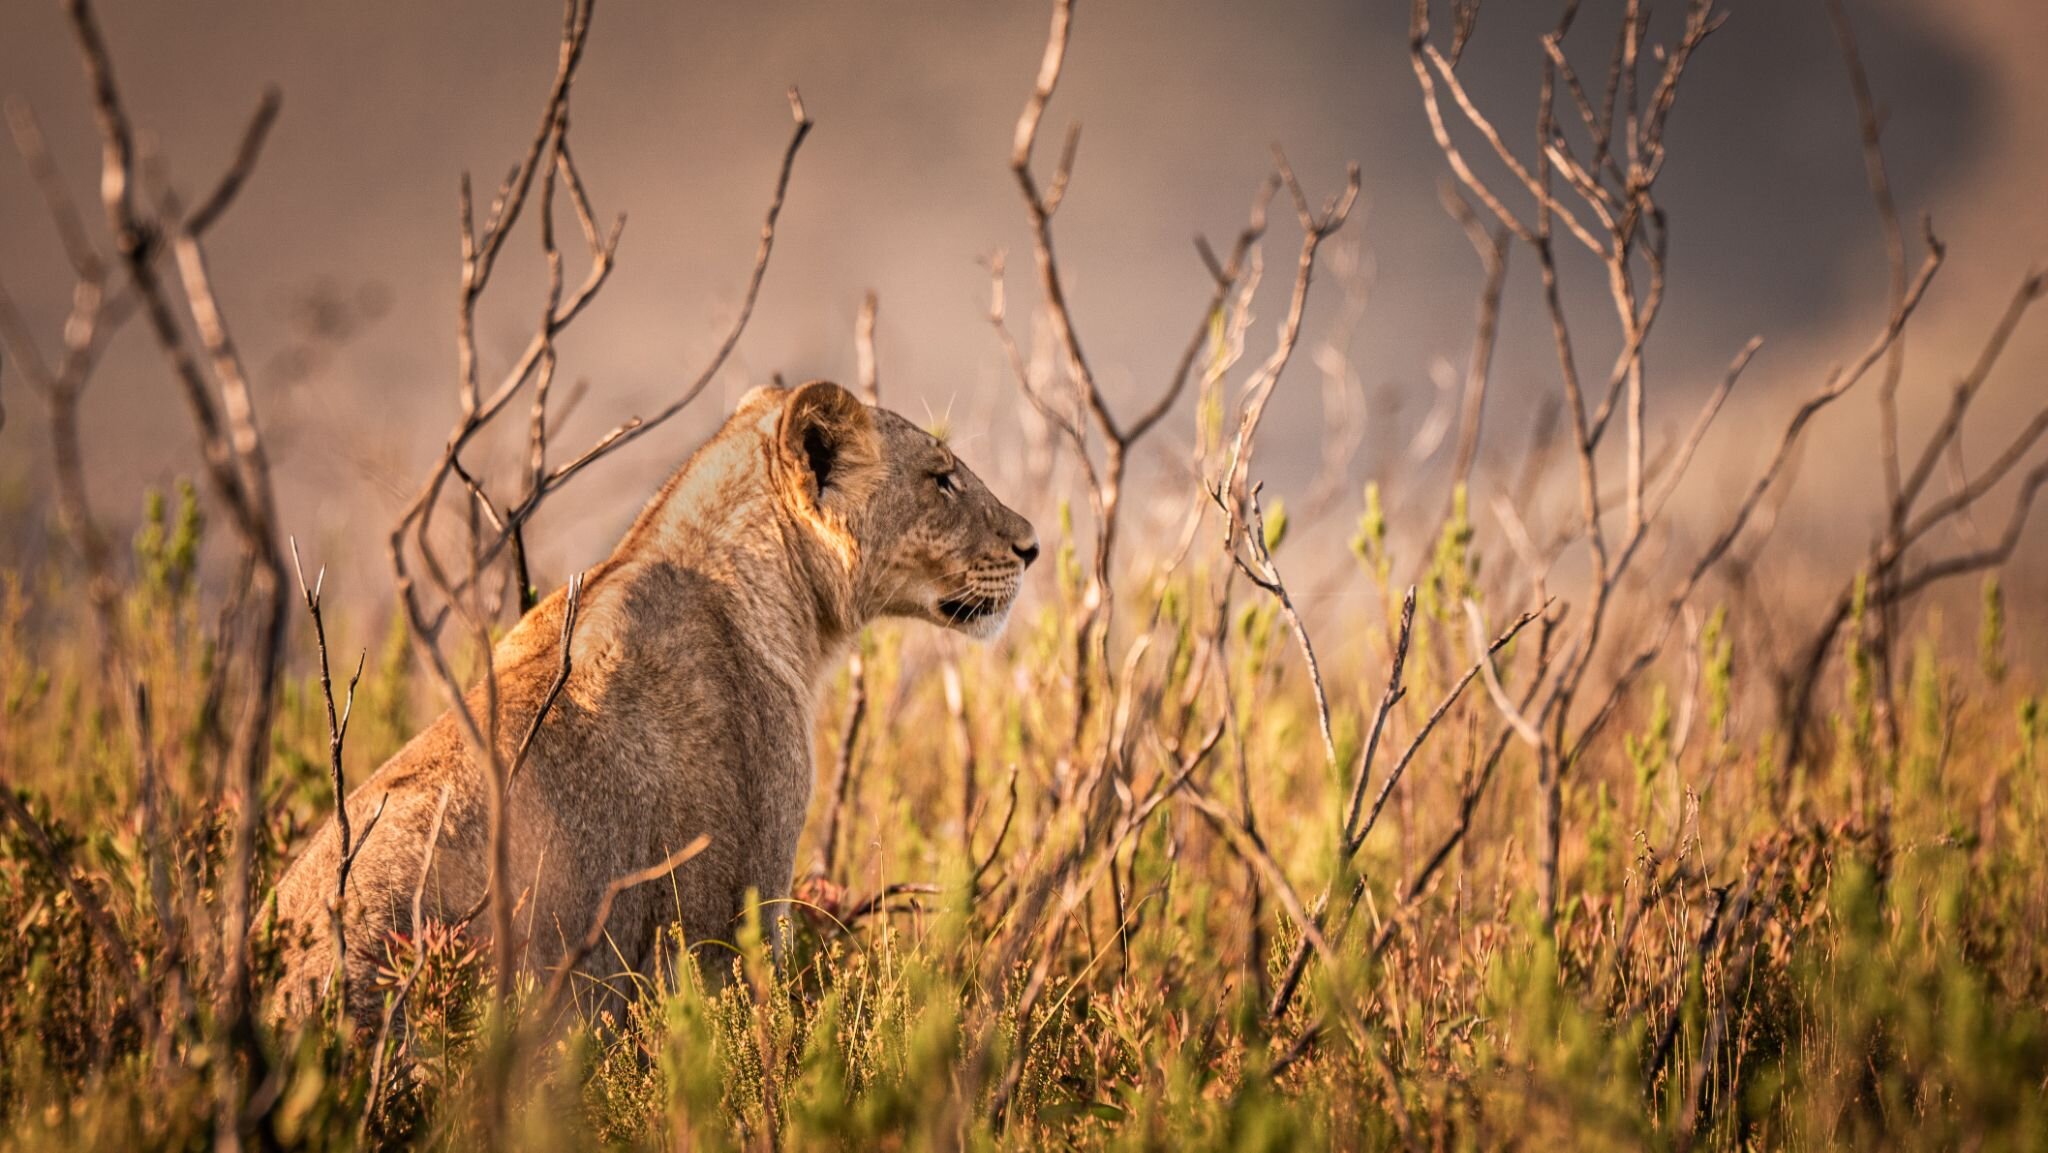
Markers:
point(864, 350)
point(844, 762)
point(394, 1004)
point(1225, 277)
point(637, 427)
point(239, 474)
point(1357, 831)
point(1837, 385)
point(558, 986)
point(572, 599)
point(246, 155)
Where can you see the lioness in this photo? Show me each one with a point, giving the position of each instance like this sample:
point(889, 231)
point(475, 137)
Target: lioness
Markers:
point(697, 655)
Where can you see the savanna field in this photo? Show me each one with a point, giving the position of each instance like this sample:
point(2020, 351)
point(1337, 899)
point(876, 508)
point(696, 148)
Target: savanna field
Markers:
point(1526, 808)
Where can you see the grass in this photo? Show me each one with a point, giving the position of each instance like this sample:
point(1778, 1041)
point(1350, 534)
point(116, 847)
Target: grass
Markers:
point(1753, 950)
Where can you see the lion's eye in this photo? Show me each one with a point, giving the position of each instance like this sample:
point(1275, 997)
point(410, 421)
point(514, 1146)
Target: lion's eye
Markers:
point(945, 482)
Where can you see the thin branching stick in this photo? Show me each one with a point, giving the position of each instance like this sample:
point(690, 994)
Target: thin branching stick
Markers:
point(572, 600)
point(394, 1005)
point(238, 471)
point(845, 762)
point(558, 986)
point(1248, 846)
point(1360, 821)
point(337, 735)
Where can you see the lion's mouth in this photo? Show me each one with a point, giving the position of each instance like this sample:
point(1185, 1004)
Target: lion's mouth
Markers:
point(969, 609)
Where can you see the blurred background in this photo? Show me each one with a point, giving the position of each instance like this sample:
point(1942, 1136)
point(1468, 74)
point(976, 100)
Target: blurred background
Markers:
point(338, 266)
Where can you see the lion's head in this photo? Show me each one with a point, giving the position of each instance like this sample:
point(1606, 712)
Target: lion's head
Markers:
point(918, 534)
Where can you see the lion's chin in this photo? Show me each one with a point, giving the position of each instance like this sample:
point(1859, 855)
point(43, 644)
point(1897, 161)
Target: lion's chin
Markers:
point(982, 619)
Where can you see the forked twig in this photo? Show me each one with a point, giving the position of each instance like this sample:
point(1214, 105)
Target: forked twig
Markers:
point(395, 1003)
point(558, 986)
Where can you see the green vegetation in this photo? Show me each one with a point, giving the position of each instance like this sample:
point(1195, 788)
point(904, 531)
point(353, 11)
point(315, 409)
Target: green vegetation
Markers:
point(1752, 951)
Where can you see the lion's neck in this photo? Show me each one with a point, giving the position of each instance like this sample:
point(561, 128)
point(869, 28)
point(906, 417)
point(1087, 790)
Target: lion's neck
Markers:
point(720, 523)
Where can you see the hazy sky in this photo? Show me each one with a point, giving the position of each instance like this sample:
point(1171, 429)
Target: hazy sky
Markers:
point(679, 121)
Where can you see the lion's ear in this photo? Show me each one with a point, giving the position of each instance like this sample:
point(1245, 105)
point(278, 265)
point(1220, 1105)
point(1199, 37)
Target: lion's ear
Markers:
point(757, 398)
point(828, 441)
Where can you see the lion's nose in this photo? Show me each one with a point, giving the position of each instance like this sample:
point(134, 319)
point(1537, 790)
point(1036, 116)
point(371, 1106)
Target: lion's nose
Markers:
point(1027, 551)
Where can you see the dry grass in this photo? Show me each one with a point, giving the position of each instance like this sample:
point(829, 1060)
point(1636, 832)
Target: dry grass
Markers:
point(1670, 860)
point(1752, 951)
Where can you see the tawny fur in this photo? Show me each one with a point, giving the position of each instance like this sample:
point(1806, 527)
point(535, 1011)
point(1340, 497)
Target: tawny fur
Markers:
point(698, 652)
